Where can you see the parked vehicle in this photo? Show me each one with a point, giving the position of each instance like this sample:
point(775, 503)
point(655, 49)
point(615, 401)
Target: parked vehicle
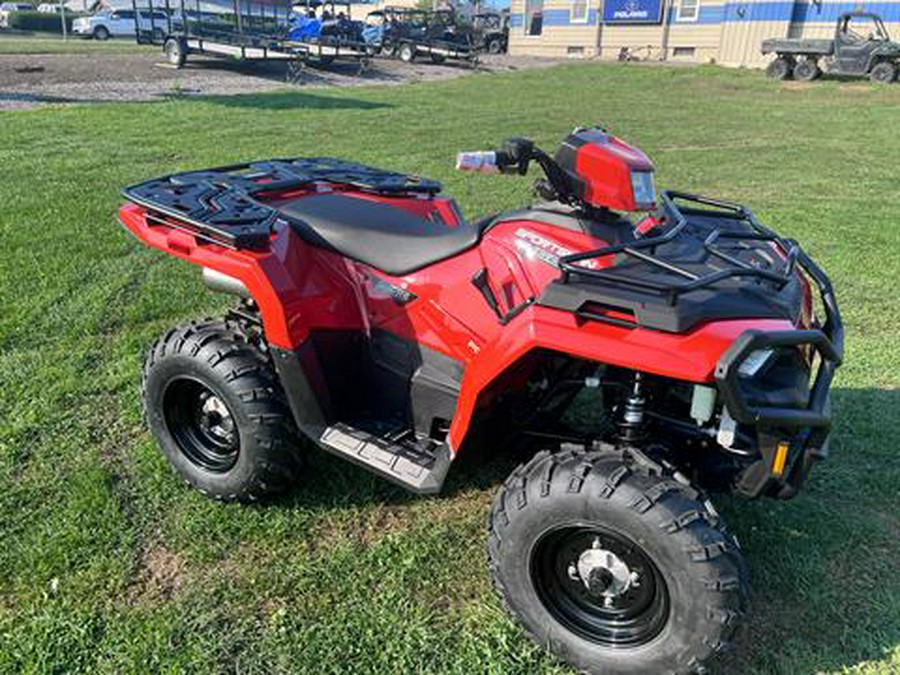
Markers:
point(376, 323)
point(325, 30)
point(118, 23)
point(411, 33)
point(399, 24)
point(861, 46)
point(491, 32)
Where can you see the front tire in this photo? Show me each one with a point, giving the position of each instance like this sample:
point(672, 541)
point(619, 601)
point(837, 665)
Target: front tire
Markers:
point(407, 53)
point(101, 33)
point(217, 411)
point(176, 52)
point(613, 566)
point(883, 73)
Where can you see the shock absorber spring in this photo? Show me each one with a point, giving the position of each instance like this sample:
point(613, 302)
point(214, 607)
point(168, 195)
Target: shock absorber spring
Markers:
point(631, 423)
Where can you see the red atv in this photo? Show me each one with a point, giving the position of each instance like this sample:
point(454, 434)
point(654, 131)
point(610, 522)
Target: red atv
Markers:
point(378, 323)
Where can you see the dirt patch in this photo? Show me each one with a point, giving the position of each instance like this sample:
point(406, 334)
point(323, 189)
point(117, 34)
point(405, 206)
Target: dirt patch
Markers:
point(370, 526)
point(797, 86)
point(28, 81)
point(161, 573)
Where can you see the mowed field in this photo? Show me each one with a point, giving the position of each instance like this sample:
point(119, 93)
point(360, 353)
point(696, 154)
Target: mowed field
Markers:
point(108, 563)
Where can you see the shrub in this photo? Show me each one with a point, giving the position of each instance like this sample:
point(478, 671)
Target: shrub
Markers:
point(40, 21)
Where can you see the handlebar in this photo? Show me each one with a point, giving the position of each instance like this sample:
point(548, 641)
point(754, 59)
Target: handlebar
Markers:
point(477, 162)
point(513, 157)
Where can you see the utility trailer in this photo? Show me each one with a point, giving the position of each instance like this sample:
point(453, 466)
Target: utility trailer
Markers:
point(861, 46)
point(391, 25)
point(252, 30)
point(441, 38)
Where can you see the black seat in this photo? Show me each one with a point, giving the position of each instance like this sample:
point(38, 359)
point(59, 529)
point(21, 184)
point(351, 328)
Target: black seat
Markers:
point(375, 233)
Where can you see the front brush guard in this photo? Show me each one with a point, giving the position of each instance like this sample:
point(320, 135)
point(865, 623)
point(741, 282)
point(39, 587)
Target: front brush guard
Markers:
point(809, 427)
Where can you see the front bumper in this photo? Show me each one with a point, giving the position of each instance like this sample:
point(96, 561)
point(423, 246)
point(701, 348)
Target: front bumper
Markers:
point(790, 439)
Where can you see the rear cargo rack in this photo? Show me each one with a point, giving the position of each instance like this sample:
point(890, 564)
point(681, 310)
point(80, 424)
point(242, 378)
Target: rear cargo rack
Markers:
point(685, 280)
point(227, 205)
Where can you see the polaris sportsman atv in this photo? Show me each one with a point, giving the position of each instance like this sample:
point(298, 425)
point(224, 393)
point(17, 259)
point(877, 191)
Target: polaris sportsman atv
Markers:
point(379, 324)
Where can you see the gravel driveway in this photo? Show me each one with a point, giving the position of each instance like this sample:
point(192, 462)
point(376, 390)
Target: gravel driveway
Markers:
point(28, 81)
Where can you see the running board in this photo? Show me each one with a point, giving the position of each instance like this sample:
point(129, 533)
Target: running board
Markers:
point(420, 470)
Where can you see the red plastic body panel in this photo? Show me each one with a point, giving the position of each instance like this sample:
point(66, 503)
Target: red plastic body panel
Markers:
point(299, 288)
point(607, 169)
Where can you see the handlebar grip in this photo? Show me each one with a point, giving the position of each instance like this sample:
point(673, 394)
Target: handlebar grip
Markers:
point(478, 162)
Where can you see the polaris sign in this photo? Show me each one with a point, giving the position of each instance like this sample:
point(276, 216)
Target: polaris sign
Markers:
point(632, 11)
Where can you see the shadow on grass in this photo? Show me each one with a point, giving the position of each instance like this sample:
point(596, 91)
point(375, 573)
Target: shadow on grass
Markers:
point(289, 100)
point(825, 592)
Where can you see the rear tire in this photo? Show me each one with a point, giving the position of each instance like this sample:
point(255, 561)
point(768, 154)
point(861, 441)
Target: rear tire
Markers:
point(883, 73)
point(218, 413)
point(780, 69)
point(438, 58)
point(807, 71)
point(557, 518)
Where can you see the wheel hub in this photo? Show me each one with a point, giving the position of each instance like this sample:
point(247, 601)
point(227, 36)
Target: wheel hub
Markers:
point(215, 418)
point(599, 584)
point(201, 424)
point(604, 574)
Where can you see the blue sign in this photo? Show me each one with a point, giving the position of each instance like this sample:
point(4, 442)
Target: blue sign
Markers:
point(632, 11)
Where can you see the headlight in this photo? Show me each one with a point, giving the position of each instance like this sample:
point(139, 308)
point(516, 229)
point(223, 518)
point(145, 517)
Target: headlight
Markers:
point(754, 362)
point(644, 189)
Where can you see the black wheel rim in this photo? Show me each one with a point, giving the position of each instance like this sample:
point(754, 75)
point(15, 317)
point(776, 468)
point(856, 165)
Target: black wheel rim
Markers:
point(202, 424)
point(600, 606)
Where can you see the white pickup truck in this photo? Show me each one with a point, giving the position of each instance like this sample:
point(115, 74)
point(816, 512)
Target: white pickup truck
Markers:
point(119, 23)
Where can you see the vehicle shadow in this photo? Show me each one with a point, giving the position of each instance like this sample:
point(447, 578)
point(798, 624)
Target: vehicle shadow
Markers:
point(312, 73)
point(287, 100)
point(825, 587)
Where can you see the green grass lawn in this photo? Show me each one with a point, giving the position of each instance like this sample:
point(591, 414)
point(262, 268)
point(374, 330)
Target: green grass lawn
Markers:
point(48, 43)
point(108, 563)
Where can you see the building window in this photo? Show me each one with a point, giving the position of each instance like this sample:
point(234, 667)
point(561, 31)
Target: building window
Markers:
point(688, 10)
point(683, 52)
point(579, 11)
point(534, 17)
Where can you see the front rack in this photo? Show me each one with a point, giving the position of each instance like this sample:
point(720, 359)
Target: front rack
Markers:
point(227, 205)
point(685, 280)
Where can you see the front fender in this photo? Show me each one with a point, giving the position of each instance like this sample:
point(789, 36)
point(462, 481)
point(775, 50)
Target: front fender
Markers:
point(688, 357)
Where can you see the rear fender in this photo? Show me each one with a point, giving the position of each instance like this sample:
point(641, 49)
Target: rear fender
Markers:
point(277, 278)
point(690, 357)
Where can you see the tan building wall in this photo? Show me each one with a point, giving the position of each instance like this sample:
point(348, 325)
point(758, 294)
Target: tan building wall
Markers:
point(573, 39)
point(728, 32)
